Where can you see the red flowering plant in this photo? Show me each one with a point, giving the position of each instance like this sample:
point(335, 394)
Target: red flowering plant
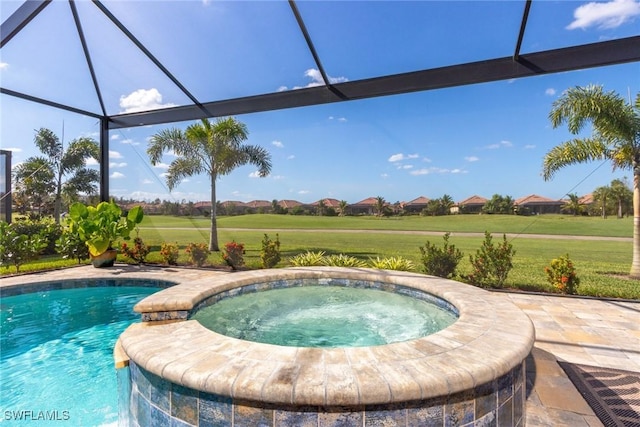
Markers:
point(233, 254)
point(198, 253)
point(169, 253)
point(562, 275)
point(137, 252)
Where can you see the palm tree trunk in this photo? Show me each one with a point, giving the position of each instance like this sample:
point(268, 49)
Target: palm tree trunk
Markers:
point(213, 234)
point(635, 263)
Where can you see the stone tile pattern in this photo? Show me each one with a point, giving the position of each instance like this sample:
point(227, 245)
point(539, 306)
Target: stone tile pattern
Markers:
point(157, 402)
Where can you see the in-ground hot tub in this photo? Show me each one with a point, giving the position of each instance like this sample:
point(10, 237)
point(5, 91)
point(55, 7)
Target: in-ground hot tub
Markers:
point(471, 373)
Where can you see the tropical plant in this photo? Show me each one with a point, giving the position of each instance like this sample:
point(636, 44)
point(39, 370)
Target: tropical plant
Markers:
point(16, 248)
point(307, 259)
point(615, 137)
point(600, 195)
point(561, 274)
point(392, 263)
point(169, 253)
point(380, 205)
point(342, 260)
point(622, 195)
point(102, 225)
point(498, 204)
point(491, 264)
point(233, 254)
point(343, 207)
point(60, 171)
point(573, 205)
point(441, 262)
point(71, 246)
point(198, 253)
point(213, 148)
point(270, 253)
point(138, 251)
point(322, 207)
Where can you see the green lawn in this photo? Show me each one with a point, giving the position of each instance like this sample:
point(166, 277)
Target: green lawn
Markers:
point(599, 263)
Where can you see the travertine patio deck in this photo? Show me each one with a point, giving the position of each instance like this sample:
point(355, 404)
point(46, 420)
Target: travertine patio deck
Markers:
point(578, 330)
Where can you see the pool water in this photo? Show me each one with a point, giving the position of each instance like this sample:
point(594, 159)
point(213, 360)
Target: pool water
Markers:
point(324, 316)
point(56, 363)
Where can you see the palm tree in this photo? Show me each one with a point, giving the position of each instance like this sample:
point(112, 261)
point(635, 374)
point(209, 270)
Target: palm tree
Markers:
point(615, 137)
point(212, 148)
point(601, 194)
point(58, 164)
point(322, 206)
point(621, 193)
point(446, 202)
point(343, 207)
point(574, 205)
point(379, 205)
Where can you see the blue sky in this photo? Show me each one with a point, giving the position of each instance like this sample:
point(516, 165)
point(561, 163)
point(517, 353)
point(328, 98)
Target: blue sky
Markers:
point(481, 139)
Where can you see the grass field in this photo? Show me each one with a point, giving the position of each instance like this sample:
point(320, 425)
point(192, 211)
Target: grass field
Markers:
point(600, 264)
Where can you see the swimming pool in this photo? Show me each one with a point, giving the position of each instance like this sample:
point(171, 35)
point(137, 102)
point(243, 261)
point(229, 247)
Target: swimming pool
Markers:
point(56, 362)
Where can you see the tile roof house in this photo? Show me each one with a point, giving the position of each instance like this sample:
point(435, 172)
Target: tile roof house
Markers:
point(233, 207)
point(416, 205)
point(534, 204)
point(472, 204)
point(365, 207)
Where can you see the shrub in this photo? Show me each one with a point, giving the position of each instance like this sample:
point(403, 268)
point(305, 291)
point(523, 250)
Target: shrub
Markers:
point(342, 260)
point(18, 249)
point(233, 254)
point(198, 253)
point(491, 264)
point(307, 259)
point(137, 252)
point(270, 253)
point(44, 226)
point(441, 262)
point(169, 253)
point(392, 263)
point(71, 246)
point(562, 275)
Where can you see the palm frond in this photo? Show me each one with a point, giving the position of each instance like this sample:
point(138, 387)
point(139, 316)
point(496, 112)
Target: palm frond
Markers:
point(573, 152)
point(181, 168)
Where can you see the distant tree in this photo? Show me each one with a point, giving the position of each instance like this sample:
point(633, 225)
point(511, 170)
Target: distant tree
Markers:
point(433, 207)
point(322, 206)
point(446, 203)
point(499, 205)
point(600, 195)
point(215, 148)
point(574, 205)
point(61, 172)
point(622, 195)
point(379, 205)
point(343, 207)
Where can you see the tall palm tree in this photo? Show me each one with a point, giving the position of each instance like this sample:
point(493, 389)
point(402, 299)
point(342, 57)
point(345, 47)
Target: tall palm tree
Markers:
point(615, 137)
point(65, 170)
point(446, 202)
point(379, 205)
point(601, 194)
point(621, 193)
point(213, 148)
point(343, 207)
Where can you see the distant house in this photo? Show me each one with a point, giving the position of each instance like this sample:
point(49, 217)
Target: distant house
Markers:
point(202, 208)
point(365, 207)
point(258, 206)
point(289, 204)
point(472, 205)
point(233, 207)
point(328, 203)
point(535, 205)
point(416, 205)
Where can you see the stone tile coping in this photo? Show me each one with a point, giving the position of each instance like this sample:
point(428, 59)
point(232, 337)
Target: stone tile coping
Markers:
point(490, 338)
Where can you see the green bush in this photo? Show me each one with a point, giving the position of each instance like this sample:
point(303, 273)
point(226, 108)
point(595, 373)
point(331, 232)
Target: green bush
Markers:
point(270, 253)
point(562, 275)
point(17, 249)
point(441, 262)
point(198, 253)
point(392, 263)
point(491, 264)
point(71, 246)
point(342, 260)
point(307, 259)
point(44, 226)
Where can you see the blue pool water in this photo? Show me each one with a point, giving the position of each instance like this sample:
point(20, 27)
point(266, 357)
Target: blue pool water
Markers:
point(56, 358)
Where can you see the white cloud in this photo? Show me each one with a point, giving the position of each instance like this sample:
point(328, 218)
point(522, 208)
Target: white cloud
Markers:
point(282, 88)
point(4, 65)
point(117, 165)
point(115, 137)
point(398, 157)
point(164, 174)
point(426, 159)
point(278, 144)
point(14, 149)
point(161, 165)
point(129, 141)
point(407, 167)
point(472, 158)
point(607, 15)
point(384, 175)
point(147, 181)
point(277, 177)
point(116, 175)
point(501, 144)
point(420, 172)
point(304, 192)
point(550, 92)
point(435, 170)
point(316, 80)
point(142, 100)
point(529, 147)
point(291, 157)
point(185, 180)
point(114, 155)
point(254, 174)
point(91, 162)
